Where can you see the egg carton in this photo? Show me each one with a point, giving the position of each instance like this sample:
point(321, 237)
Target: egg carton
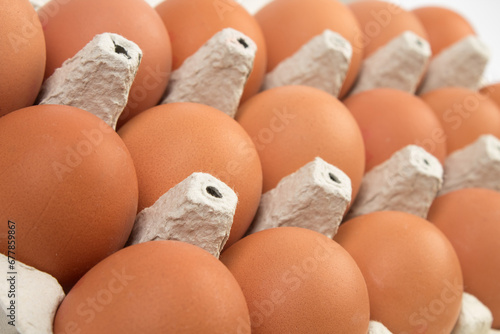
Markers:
point(323, 62)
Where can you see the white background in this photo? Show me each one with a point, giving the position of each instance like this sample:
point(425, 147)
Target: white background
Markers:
point(484, 15)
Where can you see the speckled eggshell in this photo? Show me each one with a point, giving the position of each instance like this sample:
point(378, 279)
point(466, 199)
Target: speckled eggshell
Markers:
point(155, 287)
point(191, 23)
point(69, 185)
point(22, 64)
point(170, 142)
point(391, 119)
point(381, 22)
point(470, 218)
point(413, 274)
point(464, 114)
point(289, 24)
point(444, 27)
point(299, 281)
point(69, 25)
point(292, 125)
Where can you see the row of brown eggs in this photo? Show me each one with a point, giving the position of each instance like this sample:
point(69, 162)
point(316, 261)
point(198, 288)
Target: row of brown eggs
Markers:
point(74, 186)
point(278, 29)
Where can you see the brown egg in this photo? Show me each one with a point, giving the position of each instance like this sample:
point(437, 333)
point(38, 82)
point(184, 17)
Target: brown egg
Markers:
point(411, 270)
point(69, 185)
point(289, 24)
point(382, 21)
point(23, 55)
point(293, 125)
point(70, 25)
point(464, 114)
point(391, 119)
point(170, 142)
point(493, 92)
point(444, 27)
point(155, 287)
point(299, 281)
point(190, 23)
point(470, 219)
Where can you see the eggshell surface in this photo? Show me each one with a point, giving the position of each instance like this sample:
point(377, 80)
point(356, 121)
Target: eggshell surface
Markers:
point(23, 55)
point(289, 24)
point(470, 219)
point(155, 287)
point(464, 114)
point(191, 23)
point(493, 92)
point(413, 274)
point(69, 25)
point(292, 125)
point(170, 142)
point(381, 22)
point(69, 186)
point(391, 119)
point(444, 27)
point(299, 281)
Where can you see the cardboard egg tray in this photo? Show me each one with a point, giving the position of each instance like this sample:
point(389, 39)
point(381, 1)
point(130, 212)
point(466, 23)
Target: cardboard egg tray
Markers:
point(401, 64)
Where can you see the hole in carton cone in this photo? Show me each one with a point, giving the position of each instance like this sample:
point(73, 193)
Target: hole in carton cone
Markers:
point(214, 192)
point(243, 42)
point(334, 178)
point(121, 50)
